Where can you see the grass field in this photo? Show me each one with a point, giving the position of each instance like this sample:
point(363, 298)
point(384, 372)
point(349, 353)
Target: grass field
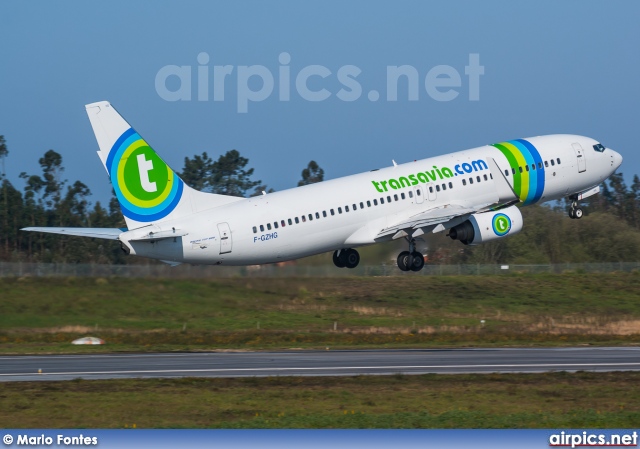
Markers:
point(554, 400)
point(45, 314)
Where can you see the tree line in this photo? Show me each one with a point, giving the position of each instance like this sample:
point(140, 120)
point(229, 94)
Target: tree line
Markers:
point(609, 232)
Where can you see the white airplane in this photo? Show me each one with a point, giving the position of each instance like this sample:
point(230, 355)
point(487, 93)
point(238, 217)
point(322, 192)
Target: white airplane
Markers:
point(472, 194)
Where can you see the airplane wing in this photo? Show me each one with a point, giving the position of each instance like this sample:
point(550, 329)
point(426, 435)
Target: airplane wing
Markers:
point(426, 218)
point(505, 196)
point(97, 233)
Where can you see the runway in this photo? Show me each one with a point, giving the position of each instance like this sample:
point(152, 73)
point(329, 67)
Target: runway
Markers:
point(318, 363)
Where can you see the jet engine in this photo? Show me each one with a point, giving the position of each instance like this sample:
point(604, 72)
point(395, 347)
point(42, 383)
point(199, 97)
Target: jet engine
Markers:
point(487, 226)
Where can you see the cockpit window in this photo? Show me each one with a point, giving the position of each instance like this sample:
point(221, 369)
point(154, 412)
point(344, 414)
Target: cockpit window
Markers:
point(598, 147)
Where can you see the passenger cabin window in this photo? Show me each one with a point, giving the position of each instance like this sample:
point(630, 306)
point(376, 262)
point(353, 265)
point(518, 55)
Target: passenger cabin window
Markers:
point(506, 172)
point(450, 185)
point(304, 220)
point(368, 203)
point(255, 230)
point(317, 215)
point(361, 205)
point(297, 221)
point(520, 169)
point(478, 178)
point(269, 226)
point(375, 202)
point(546, 163)
point(552, 163)
point(402, 196)
point(389, 199)
point(437, 188)
point(470, 180)
point(533, 166)
point(261, 228)
point(275, 224)
point(381, 200)
point(410, 194)
point(332, 212)
point(540, 165)
point(430, 189)
point(290, 222)
point(324, 213)
point(513, 170)
point(282, 223)
point(354, 207)
point(339, 210)
point(464, 182)
point(346, 208)
point(310, 217)
point(485, 178)
point(599, 147)
point(558, 161)
point(444, 187)
point(395, 197)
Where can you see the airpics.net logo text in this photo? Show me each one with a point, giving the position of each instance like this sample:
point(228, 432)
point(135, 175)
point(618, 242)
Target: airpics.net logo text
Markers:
point(256, 83)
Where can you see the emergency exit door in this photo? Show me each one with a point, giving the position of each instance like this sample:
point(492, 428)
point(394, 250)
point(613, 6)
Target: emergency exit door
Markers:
point(225, 238)
point(419, 196)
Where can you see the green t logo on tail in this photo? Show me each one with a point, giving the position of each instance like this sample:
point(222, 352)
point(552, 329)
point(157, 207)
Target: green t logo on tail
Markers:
point(147, 189)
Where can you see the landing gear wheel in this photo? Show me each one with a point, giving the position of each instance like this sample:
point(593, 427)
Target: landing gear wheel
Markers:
point(404, 260)
point(340, 261)
point(352, 258)
point(417, 261)
point(575, 211)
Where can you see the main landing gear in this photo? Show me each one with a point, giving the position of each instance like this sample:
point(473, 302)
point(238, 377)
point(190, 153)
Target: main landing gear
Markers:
point(575, 211)
point(410, 260)
point(349, 258)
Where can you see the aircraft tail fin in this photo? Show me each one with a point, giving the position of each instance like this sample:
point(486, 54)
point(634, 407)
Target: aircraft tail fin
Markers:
point(148, 190)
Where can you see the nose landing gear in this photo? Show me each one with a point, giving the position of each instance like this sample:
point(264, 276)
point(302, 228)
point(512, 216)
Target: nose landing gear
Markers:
point(410, 260)
point(349, 258)
point(575, 211)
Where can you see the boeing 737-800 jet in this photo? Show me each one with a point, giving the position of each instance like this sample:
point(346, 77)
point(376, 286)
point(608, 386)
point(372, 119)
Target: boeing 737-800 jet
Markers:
point(472, 194)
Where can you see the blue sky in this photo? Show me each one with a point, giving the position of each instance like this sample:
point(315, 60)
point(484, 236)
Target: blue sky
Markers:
point(549, 67)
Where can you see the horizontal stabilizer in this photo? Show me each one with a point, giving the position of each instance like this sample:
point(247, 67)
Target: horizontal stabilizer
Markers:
point(96, 233)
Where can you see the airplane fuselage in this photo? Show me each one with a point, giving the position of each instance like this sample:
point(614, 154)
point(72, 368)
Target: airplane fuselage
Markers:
point(351, 211)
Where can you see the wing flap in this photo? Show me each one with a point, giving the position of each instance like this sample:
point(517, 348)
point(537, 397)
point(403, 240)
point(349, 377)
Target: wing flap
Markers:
point(426, 218)
point(96, 233)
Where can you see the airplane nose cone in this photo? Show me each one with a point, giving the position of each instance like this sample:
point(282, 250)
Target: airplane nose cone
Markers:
point(617, 159)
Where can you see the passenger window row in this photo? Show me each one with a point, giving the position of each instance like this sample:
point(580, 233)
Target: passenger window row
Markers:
point(478, 179)
point(354, 207)
point(533, 166)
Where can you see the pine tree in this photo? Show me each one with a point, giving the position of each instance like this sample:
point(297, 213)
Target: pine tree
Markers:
point(312, 174)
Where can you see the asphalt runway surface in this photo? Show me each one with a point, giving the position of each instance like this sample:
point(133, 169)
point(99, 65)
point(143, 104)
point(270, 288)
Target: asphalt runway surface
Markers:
point(318, 363)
